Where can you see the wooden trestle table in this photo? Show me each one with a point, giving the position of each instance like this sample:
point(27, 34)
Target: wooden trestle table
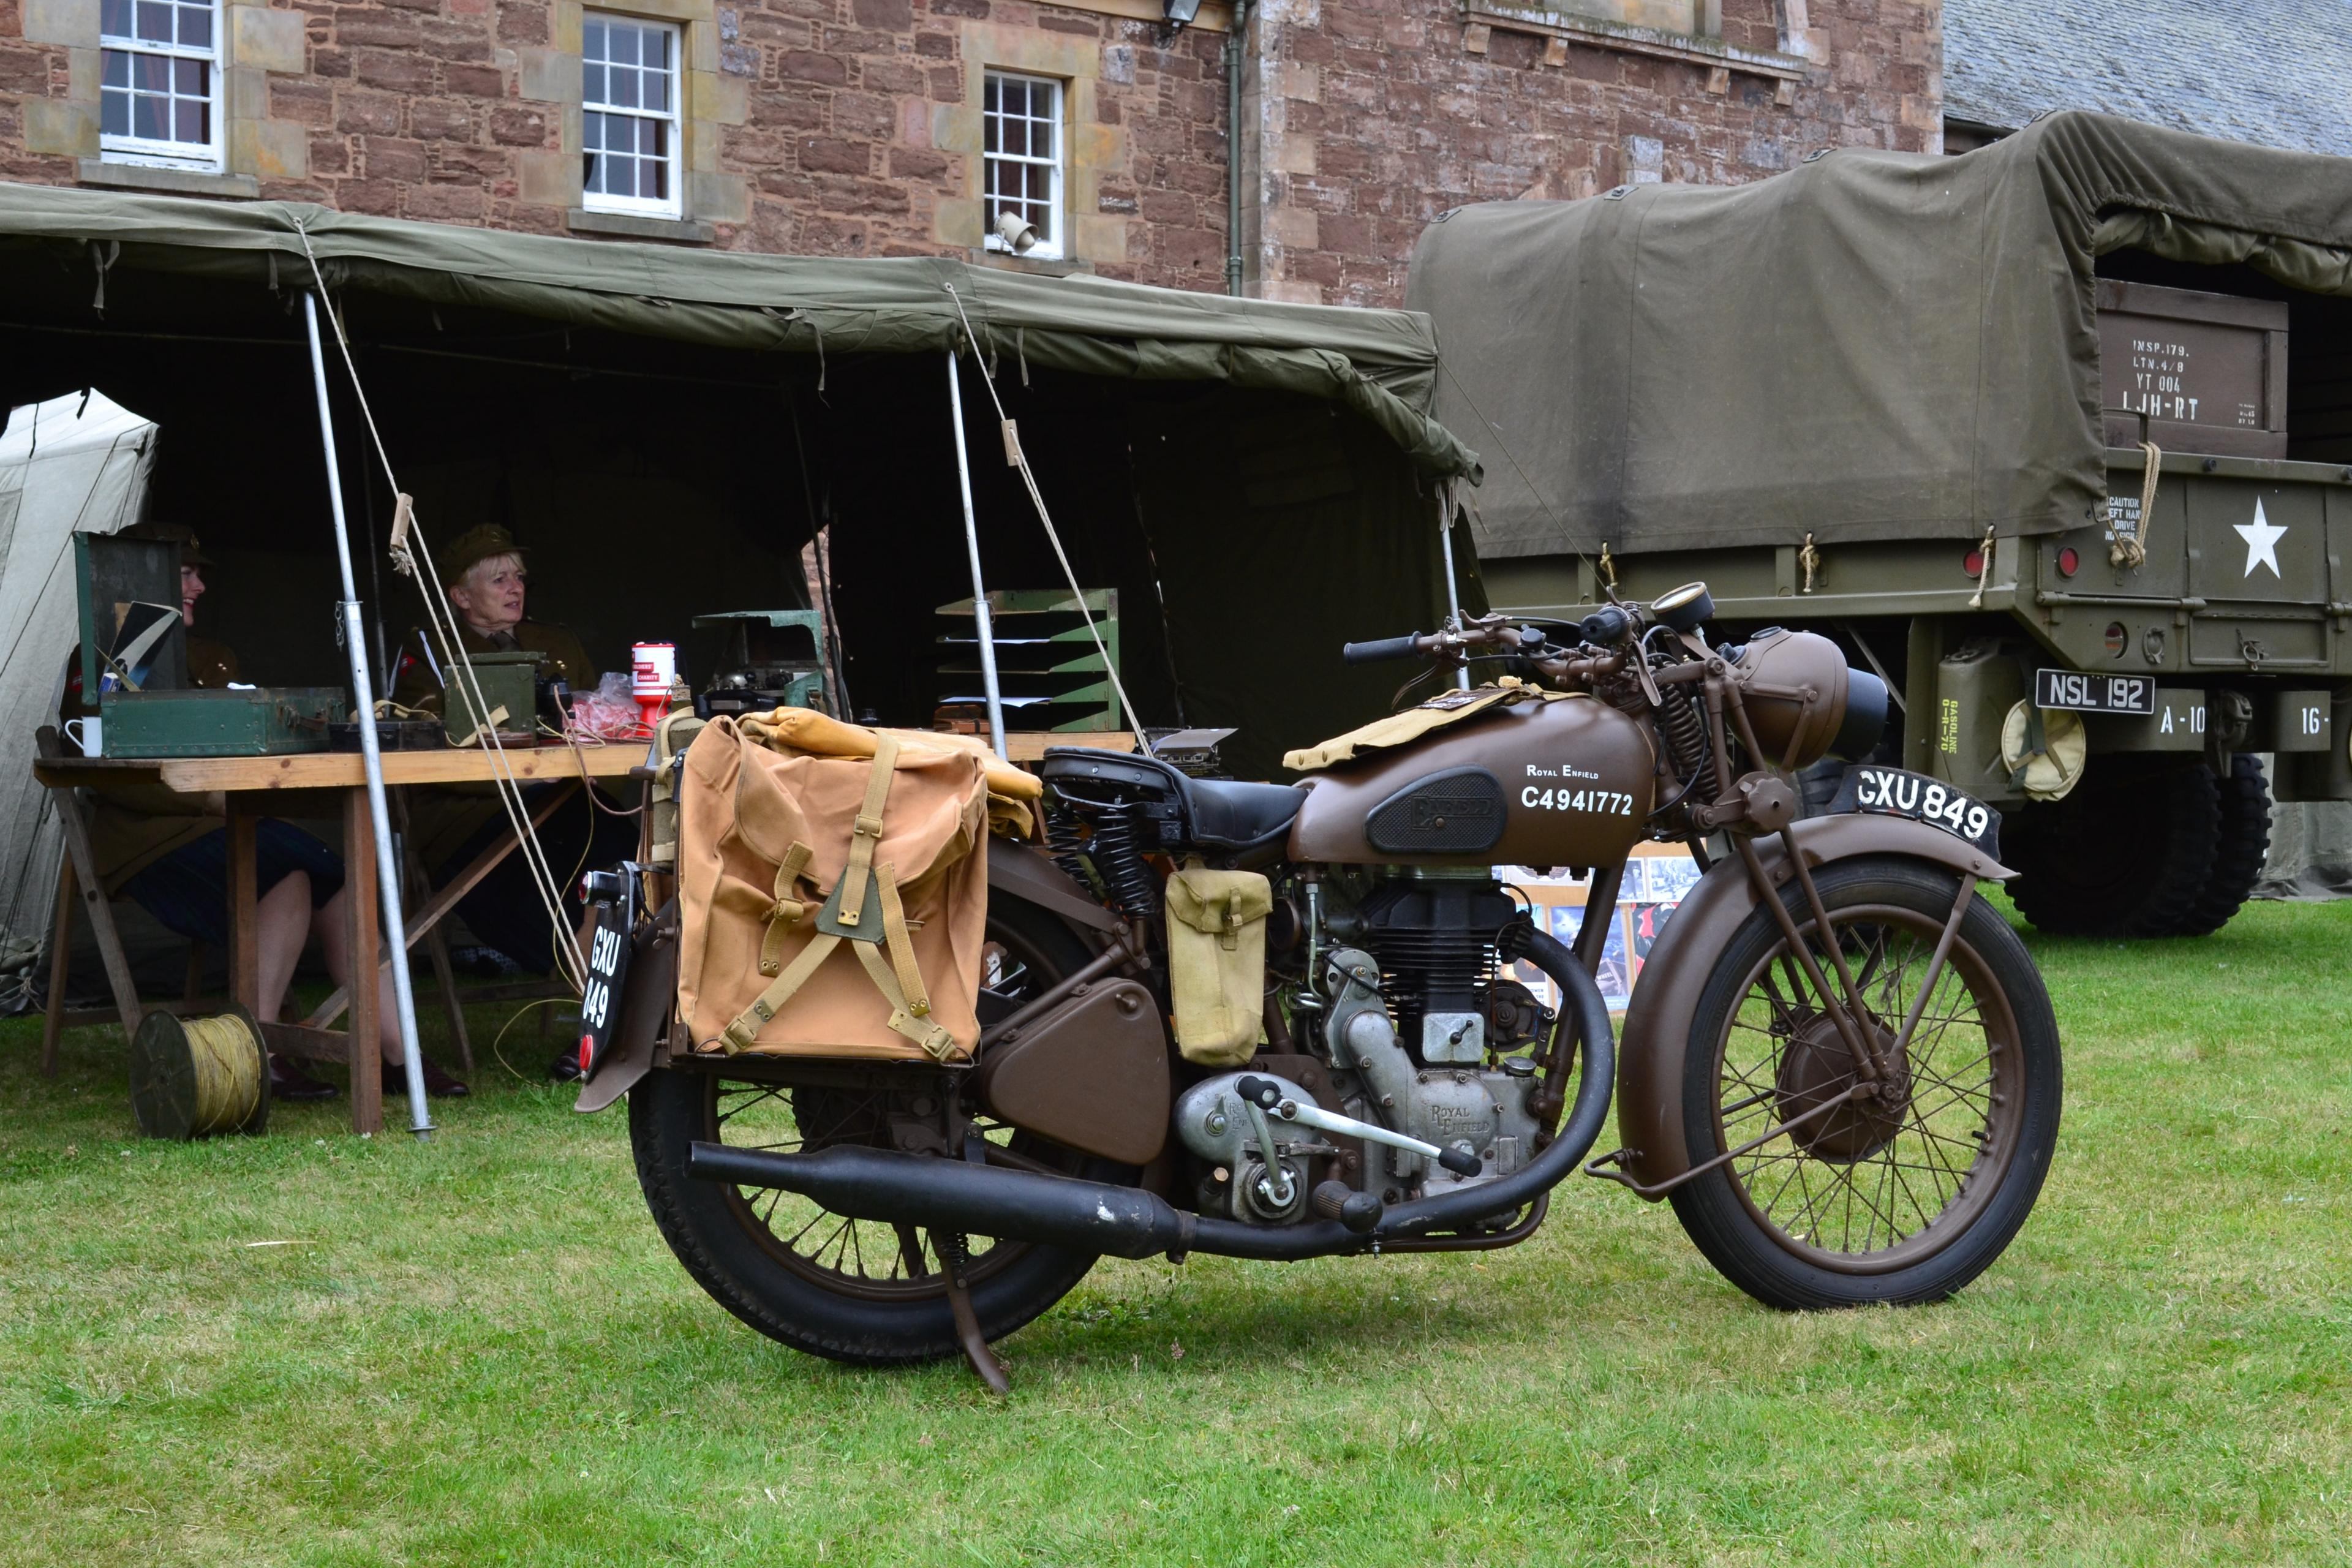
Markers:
point(313, 784)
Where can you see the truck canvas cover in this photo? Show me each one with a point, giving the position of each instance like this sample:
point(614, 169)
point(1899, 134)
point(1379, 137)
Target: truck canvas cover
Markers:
point(1875, 345)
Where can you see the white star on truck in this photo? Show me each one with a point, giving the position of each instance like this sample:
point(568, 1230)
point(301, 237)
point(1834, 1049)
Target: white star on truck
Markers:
point(2261, 540)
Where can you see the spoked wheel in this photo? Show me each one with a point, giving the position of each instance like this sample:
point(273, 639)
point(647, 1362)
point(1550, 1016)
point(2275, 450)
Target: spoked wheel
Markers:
point(1909, 1190)
point(856, 1290)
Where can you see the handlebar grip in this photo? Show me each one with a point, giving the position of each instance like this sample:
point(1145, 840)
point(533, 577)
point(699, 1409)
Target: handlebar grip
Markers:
point(1380, 649)
point(1460, 1161)
point(1263, 1093)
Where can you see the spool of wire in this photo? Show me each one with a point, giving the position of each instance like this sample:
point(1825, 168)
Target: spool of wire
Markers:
point(192, 1078)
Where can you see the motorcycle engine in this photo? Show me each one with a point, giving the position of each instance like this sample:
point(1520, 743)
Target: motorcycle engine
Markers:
point(1421, 1028)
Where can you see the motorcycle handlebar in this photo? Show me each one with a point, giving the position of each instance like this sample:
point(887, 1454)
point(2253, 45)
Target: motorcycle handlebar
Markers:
point(1380, 649)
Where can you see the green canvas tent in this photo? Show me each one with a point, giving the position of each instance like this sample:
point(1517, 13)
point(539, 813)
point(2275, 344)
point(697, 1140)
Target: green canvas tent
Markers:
point(664, 427)
point(1872, 345)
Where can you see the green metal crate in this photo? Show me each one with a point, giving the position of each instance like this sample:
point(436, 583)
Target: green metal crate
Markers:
point(261, 721)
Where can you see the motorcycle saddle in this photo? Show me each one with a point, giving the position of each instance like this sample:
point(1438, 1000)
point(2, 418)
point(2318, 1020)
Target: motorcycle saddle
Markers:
point(1210, 814)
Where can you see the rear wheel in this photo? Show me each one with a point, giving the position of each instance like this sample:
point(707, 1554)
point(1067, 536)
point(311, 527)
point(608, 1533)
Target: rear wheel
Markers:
point(854, 1290)
point(1906, 1194)
point(2241, 849)
point(2129, 853)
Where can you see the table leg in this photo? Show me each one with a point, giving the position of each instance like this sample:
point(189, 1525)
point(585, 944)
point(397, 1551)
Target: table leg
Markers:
point(101, 918)
point(359, 885)
point(243, 907)
point(53, 1018)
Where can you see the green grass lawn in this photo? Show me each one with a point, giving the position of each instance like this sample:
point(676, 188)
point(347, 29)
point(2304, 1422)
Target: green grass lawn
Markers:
point(476, 1350)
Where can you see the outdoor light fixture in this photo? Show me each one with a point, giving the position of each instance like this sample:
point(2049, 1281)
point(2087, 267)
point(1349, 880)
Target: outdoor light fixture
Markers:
point(1019, 237)
point(1179, 13)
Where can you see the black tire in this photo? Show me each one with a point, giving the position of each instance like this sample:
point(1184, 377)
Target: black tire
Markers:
point(1902, 906)
point(2129, 853)
point(717, 1234)
point(2241, 847)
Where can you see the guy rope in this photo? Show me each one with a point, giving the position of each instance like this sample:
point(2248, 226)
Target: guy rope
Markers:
point(407, 545)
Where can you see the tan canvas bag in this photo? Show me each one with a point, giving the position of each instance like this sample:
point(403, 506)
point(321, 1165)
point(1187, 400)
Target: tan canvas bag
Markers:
point(792, 864)
point(1216, 962)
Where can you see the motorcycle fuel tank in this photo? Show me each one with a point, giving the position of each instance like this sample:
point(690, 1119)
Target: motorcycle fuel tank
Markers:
point(1567, 782)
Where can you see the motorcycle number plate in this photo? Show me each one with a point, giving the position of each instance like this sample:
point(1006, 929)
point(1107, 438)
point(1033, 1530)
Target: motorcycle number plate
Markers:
point(599, 1001)
point(1897, 792)
point(2094, 693)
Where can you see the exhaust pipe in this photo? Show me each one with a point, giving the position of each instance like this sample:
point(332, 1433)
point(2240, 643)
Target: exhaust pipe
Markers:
point(1126, 1222)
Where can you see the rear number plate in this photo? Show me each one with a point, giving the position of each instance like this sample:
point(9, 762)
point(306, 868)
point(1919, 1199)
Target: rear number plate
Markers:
point(2094, 693)
point(1896, 792)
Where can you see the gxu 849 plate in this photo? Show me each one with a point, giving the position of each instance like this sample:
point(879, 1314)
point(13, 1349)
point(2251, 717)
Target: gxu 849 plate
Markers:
point(1898, 792)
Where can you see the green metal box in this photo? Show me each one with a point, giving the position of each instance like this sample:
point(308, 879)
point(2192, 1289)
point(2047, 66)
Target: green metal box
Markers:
point(254, 721)
point(1975, 689)
point(508, 680)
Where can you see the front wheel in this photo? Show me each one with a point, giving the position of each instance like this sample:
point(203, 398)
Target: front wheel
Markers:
point(1907, 1195)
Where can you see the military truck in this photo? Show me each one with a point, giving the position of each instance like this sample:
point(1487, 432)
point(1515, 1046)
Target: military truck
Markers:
point(2055, 435)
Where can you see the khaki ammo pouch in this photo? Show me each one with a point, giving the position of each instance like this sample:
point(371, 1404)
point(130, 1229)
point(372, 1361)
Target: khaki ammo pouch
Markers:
point(787, 857)
point(1217, 962)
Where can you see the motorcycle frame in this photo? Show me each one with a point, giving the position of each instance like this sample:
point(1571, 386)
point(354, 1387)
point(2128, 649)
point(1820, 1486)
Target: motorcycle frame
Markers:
point(1650, 1056)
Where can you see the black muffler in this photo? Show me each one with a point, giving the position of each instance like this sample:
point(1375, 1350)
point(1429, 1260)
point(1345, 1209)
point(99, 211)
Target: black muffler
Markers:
point(1125, 1222)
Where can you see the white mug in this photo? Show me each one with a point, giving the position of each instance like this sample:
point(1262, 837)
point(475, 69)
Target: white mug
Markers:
point(92, 739)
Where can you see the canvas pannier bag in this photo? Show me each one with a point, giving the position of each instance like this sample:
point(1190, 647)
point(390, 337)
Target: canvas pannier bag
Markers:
point(831, 905)
point(1216, 962)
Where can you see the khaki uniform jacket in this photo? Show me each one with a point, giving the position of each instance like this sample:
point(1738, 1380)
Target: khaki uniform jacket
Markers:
point(442, 818)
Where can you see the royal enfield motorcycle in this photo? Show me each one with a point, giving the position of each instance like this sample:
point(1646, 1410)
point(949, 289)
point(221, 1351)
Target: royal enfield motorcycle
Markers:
point(1839, 1065)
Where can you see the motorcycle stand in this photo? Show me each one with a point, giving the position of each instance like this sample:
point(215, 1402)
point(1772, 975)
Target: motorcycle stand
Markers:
point(950, 1245)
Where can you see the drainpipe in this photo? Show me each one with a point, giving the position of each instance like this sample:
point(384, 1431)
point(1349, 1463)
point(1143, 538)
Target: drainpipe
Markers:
point(1234, 146)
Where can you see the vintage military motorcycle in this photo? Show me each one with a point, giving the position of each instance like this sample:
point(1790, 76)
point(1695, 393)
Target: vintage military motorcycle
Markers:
point(1840, 1066)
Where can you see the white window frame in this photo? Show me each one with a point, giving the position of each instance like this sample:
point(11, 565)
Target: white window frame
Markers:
point(674, 206)
point(1054, 243)
point(165, 154)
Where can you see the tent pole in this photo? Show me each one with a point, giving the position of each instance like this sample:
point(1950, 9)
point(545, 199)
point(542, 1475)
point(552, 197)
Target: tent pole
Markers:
point(1453, 593)
point(979, 590)
point(387, 864)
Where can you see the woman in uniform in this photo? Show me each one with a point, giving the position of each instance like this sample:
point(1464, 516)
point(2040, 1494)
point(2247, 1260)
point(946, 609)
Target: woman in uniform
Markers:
point(172, 861)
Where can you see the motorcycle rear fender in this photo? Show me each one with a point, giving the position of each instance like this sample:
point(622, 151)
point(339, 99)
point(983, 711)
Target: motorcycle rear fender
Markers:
point(1021, 872)
point(649, 992)
point(1657, 1031)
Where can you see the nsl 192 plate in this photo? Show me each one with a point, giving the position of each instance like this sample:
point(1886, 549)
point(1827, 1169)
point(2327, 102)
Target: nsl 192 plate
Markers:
point(1897, 792)
point(2094, 693)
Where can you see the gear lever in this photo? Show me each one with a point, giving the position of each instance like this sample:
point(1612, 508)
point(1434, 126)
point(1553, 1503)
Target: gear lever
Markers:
point(1265, 1094)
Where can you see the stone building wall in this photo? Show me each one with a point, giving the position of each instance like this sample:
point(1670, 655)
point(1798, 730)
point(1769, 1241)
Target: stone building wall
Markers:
point(852, 127)
point(1371, 116)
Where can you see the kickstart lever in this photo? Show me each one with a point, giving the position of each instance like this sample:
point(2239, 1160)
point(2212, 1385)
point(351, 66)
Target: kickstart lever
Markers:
point(1265, 1094)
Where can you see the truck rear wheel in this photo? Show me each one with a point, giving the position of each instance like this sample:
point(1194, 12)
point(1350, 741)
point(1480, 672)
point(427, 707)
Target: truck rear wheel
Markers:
point(2131, 852)
point(2243, 846)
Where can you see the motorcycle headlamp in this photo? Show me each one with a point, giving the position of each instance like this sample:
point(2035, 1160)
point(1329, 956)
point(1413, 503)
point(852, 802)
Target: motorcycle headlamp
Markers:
point(1804, 703)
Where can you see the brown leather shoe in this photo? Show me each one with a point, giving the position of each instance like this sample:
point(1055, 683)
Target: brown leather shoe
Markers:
point(288, 1081)
point(438, 1084)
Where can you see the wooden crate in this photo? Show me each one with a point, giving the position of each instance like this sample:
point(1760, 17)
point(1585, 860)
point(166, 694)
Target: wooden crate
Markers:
point(2209, 370)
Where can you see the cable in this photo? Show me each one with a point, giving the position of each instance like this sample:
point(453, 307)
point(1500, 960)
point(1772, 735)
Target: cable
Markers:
point(1020, 456)
point(507, 786)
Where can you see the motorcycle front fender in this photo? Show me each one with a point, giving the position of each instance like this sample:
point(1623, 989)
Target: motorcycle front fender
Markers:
point(1656, 1037)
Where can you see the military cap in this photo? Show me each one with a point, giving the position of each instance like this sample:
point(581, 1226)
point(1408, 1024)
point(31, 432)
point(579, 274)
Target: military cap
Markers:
point(474, 546)
point(191, 549)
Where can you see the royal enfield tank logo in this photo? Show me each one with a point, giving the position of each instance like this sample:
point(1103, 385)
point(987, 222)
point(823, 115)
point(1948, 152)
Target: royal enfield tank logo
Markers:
point(1565, 771)
point(2262, 537)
